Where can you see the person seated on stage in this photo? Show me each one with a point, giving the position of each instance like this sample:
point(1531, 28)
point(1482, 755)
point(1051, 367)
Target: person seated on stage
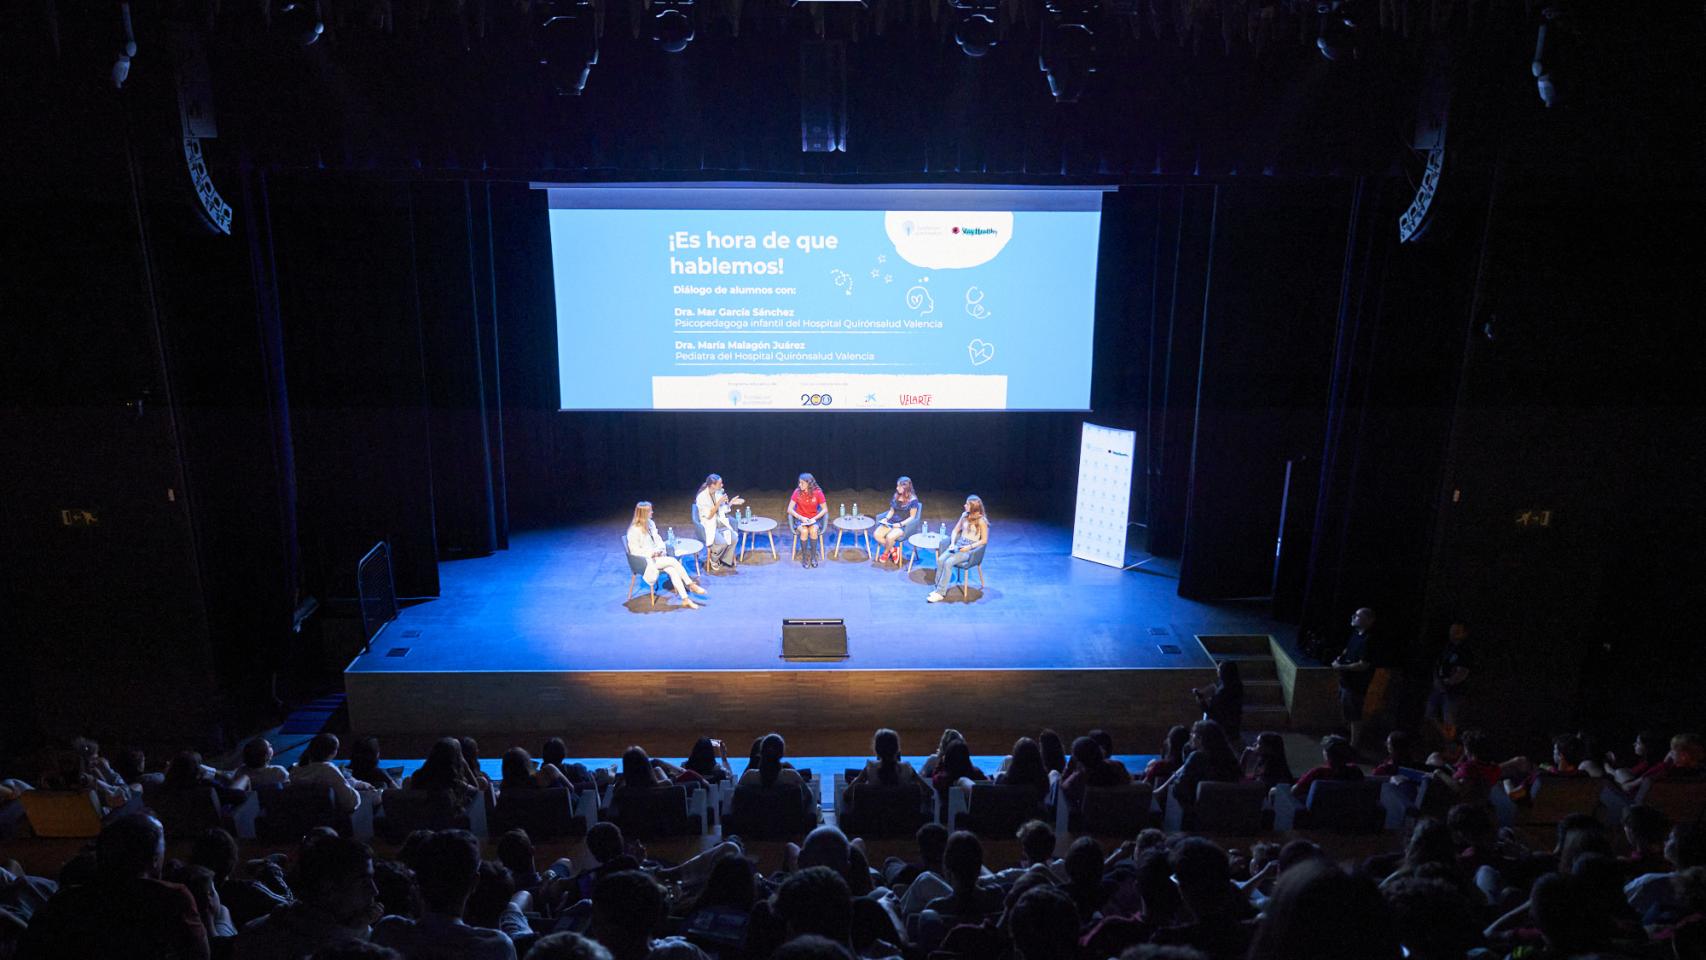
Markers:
point(518, 773)
point(1172, 757)
point(1339, 763)
point(771, 770)
point(555, 753)
point(808, 510)
point(643, 541)
point(969, 534)
point(1024, 766)
point(445, 769)
point(714, 505)
point(364, 764)
point(904, 506)
point(709, 758)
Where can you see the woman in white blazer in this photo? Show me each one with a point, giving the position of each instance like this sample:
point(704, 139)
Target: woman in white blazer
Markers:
point(714, 525)
point(643, 541)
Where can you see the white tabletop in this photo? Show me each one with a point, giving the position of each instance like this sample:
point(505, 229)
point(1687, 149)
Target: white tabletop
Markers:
point(757, 525)
point(687, 546)
point(855, 523)
point(926, 541)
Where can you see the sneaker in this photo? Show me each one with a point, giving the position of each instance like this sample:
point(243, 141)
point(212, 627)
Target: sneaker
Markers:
point(934, 597)
point(689, 604)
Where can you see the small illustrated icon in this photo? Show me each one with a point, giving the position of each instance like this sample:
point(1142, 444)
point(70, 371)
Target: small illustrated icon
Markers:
point(906, 227)
point(734, 398)
point(844, 280)
point(974, 304)
point(982, 351)
point(919, 299)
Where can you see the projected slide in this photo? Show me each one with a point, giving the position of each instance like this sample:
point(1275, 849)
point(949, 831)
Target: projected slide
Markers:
point(755, 298)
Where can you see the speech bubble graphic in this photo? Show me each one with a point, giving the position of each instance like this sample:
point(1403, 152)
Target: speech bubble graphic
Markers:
point(919, 299)
point(948, 239)
point(981, 350)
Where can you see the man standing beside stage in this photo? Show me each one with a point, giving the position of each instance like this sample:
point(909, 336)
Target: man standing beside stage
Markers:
point(1355, 671)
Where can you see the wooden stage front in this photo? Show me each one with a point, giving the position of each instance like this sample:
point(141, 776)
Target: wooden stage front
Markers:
point(538, 639)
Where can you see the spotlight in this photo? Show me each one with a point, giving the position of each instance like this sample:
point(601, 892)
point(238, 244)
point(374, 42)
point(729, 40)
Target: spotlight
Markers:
point(298, 20)
point(568, 45)
point(672, 25)
point(977, 31)
point(1341, 32)
point(1068, 52)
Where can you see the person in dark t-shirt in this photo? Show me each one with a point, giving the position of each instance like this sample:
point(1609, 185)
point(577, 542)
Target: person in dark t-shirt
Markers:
point(1356, 668)
point(1451, 681)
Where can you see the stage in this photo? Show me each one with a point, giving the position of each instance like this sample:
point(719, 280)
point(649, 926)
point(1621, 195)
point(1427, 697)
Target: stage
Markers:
point(538, 639)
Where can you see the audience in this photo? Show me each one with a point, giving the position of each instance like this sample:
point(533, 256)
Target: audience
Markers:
point(364, 764)
point(1460, 888)
point(316, 767)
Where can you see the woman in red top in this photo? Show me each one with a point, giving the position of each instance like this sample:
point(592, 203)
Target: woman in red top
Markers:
point(808, 510)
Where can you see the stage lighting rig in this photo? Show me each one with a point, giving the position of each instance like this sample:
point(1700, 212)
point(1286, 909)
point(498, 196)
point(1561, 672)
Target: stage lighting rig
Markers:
point(1343, 24)
point(672, 24)
point(568, 44)
point(297, 20)
point(978, 29)
point(1068, 48)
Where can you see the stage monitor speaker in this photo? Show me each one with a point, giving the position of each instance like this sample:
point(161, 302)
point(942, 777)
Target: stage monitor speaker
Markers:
point(814, 640)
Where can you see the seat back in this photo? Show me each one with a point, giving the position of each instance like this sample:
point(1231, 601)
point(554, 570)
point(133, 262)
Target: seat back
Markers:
point(635, 564)
point(976, 556)
point(1345, 806)
point(290, 811)
point(1231, 808)
point(998, 810)
point(651, 811)
point(1551, 799)
point(885, 811)
point(62, 813)
point(776, 812)
point(1682, 801)
point(544, 814)
point(405, 811)
point(184, 814)
point(1121, 811)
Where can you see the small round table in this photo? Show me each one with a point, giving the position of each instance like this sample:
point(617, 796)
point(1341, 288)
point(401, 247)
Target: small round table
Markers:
point(924, 541)
point(858, 527)
point(749, 531)
point(687, 547)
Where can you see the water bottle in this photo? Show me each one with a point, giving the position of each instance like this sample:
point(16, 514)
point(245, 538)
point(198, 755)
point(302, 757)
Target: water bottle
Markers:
point(671, 539)
point(855, 508)
point(844, 509)
point(749, 512)
point(942, 529)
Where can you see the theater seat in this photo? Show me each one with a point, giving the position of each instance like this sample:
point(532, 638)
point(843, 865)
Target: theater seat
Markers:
point(62, 813)
point(185, 814)
point(1681, 801)
point(996, 811)
point(885, 811)
point(544, 814)
point(401, 812)
point(659, 811)
point(776, 812)
point(1343, 806)
point(1551, 799)
point(1118, 811)
point(290, 811)
point(1222, 808)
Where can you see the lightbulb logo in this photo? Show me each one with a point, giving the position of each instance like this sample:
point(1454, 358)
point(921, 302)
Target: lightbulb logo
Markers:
point(734, 398)
point(906, 227)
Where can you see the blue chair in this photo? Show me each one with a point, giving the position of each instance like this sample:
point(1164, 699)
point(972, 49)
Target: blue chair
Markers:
point(637, 566)
point(962, 575)
point(794, 527)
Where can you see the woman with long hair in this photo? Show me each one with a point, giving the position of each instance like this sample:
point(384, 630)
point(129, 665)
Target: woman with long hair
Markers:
point(808, 509)
point(639, 772)
point(710, 760)
point(1210, 760)
point(1265, 761)
point(970, 534)
point(904, 507)
point(1054, 751)
point(444, 769)
point(771, 769)
point(888, 769)
point(949, 735)
point(713, 505)
point(1025, 765)
point(643, 541)
point(364, 764)
point(518, 773)
point(1172, 756)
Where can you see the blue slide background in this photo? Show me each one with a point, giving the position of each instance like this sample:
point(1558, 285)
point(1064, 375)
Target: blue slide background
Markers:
point(615, 300)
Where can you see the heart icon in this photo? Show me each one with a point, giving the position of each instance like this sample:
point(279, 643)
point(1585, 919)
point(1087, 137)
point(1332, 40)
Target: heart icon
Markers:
point(982, 351)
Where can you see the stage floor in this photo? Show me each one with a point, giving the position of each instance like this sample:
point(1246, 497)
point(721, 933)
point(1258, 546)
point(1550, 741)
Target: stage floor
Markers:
point(553, 602)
